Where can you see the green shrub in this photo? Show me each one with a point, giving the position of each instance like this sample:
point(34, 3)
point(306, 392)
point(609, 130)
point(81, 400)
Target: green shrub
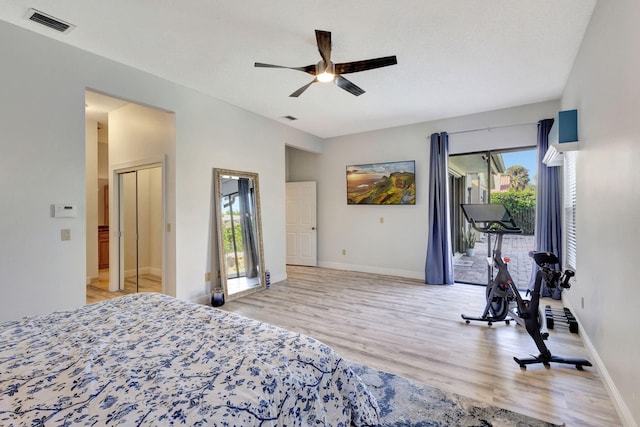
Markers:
point(522, 206)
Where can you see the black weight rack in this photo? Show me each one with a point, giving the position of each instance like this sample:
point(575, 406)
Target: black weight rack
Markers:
point(563, 318)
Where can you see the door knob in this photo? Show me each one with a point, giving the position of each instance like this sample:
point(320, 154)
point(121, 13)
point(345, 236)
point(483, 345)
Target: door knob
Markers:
point(313, 228)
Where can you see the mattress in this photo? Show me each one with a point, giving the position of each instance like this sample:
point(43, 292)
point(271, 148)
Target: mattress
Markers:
point(150, 359)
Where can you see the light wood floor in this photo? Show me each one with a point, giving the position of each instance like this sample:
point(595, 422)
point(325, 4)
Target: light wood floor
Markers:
point(406, 328)
point(409, 329)
point(99, 290)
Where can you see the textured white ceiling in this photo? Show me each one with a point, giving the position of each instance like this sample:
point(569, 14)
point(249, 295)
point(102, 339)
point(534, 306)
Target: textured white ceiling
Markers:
point(455, 57)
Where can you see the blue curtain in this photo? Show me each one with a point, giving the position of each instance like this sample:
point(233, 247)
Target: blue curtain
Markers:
point(247, 208)
point(548, 234)
point(439, 264)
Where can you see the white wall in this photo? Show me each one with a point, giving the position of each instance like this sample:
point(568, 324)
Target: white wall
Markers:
point(605, 89)
point(140, 135)
point(397, 246)
point(40, 273)
point(92, 193)
point(42, 162)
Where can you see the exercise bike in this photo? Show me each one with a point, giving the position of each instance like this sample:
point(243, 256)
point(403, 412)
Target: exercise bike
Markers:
point(503, 297)
point(552, 278)
point(501, 305)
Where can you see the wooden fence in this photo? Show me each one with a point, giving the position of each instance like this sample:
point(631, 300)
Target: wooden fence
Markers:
point(525, 218)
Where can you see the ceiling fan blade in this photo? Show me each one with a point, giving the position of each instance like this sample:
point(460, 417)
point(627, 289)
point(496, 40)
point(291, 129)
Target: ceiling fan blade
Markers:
point(367, 64)
point(311, 69)
point(298, 92)
point(348, 86)
point(323, 38)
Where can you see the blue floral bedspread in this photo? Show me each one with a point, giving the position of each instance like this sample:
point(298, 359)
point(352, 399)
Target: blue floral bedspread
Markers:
point(152, 360)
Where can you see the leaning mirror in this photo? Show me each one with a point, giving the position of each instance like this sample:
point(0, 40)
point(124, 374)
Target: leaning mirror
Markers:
point(239, 226)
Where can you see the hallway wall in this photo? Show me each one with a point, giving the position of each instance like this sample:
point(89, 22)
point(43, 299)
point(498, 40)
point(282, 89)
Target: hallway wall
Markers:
point(91, 169)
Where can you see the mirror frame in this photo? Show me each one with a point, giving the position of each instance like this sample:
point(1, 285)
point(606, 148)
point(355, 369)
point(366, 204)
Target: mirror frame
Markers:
point(218, 174)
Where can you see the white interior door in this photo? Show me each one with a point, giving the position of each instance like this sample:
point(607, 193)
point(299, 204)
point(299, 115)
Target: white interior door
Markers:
point(140, 228)
point(129, 236)
point(302, 239)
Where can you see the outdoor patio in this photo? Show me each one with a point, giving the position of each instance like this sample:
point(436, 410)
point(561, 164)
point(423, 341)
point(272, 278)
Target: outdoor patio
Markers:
point(515, 247)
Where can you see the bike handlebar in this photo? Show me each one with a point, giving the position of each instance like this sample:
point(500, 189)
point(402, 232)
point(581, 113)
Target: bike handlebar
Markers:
point(506, 228)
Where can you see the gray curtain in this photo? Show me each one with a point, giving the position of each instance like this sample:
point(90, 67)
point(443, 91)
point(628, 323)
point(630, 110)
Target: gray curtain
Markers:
point(439, 264)
point(245, 200)
point(548, 234)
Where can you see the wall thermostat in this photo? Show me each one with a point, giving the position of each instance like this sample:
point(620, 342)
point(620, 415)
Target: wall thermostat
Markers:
point(65, 211)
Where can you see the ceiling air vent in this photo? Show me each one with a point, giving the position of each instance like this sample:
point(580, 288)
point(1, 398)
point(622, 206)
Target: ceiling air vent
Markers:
point(49, 21)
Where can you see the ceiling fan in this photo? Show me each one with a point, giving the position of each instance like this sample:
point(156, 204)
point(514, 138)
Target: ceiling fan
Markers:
point(327, 71)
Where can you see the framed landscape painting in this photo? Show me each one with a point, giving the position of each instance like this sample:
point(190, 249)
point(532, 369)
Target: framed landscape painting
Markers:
point(391, 183)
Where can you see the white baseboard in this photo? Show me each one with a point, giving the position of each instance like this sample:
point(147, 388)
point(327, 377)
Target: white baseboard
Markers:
point(275, 278)
point(204, 299)
point(374, 270)
point(616, 398)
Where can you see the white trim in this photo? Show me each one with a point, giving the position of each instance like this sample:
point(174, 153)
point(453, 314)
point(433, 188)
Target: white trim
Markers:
point(609, 384)
point(374, 270)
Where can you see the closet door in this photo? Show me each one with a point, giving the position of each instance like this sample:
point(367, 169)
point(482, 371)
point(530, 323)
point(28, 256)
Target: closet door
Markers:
point(129, 232)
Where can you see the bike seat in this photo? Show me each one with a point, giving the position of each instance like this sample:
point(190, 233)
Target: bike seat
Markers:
point(545, 258)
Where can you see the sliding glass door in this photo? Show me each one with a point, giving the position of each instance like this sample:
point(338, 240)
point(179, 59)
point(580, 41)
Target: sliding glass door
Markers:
point(470, 182)
point(506, 177)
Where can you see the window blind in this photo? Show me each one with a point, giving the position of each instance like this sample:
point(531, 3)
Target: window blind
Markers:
point(570, 208)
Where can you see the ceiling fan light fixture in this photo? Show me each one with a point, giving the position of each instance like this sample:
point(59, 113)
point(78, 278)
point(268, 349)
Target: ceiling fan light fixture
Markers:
point(325, 70)
point(326, 77)
point(324, 73)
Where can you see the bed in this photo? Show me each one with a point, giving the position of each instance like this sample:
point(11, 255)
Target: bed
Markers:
point(150, 359)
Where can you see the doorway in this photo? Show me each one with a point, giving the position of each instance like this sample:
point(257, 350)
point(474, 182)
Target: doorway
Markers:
point(302, 246)
point(507, 177)
point(117, 143)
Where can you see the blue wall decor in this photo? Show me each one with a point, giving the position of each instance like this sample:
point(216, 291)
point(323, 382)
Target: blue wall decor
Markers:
point(565, 128)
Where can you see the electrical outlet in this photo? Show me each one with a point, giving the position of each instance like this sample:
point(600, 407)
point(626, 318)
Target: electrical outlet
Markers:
point(344, 252)
point(65, 234)
point(207, 276)
point(381, 220)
